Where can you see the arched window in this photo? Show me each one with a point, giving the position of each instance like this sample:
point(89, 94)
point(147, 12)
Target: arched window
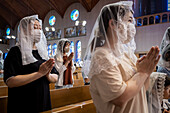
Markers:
point(8, 31)
point(151, 20)
point(49, 50)
point(74, 15)
point(54, 48)
point(72, 48)
point(157, 19)
point(145, 21)
point(78, 51)
point(164, 18)
point(139, 22)
point(52, 20)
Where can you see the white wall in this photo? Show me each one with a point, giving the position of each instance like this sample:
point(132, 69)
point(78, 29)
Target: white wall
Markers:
point(148, 36)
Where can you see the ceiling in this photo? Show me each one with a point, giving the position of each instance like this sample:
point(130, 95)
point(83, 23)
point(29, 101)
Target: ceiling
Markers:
point(11, 11)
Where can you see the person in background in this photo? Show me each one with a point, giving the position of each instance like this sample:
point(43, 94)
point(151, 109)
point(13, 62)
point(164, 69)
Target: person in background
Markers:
point(166, 97)
point(64, 64)
point(164, 63)
point(1, 64)
point(27, 70)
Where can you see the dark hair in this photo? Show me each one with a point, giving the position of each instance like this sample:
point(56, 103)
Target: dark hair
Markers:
point(166, 53)
point(105, 16)
point(167, 81)
point(104, 20)
point(60, 44)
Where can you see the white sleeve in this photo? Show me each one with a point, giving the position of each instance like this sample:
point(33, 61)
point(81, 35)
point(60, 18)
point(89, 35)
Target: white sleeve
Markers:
point(60, 67)
point(73, 68)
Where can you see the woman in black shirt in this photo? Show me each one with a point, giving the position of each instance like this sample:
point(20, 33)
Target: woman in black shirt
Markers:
point(26, 71)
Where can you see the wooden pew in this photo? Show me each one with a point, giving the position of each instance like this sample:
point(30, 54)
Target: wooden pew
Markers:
point(62, 97)
point(78, 79)
point(78, 82)
point(77, 75)
point(52, 86)
point(3, 104)
point(82, 107)
point(2, 83)
point(72, 100)
point(66, 100)
point(3, 91)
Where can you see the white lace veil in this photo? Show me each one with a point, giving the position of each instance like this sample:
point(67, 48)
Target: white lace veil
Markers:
point(25, 40)
point(119, 40)
point(60, 47)
point(1, 57)
point(164, 49)
point(155, 92)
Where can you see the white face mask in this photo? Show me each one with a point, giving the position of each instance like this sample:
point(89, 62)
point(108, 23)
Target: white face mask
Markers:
point(126, 32)
point(66, 49)
point(36, 33)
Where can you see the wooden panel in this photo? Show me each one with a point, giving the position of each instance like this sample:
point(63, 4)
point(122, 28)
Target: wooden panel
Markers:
point(1, 78)
point(74, 77)
point(70, 109)
point(80, 75)
point(62, 97)
point(52, 86)
point(78, 82)
point(3, 104)
point(3, 90)
point(2, 83)
point(88, 107)
point(82, 107)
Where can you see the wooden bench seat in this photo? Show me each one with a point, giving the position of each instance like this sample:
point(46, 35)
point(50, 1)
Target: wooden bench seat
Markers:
point(82, 107)
point(3, 91)
point(78, 82)
point(2, 83)
point(73, 98)
point(63, 97)
point(3, 104)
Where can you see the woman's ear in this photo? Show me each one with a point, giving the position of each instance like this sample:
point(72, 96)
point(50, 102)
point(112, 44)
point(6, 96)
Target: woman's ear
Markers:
point(111, 23)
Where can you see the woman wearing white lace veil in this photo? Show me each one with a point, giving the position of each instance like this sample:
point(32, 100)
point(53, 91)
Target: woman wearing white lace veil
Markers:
point(164, 63)
point(64, 64)
point(26, 71)
point(1, 63)
point(118, 80)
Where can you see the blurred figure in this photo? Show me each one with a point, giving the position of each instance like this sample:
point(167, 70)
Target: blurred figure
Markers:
point(64, 64)
point(1, 64)
point(164, 63)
